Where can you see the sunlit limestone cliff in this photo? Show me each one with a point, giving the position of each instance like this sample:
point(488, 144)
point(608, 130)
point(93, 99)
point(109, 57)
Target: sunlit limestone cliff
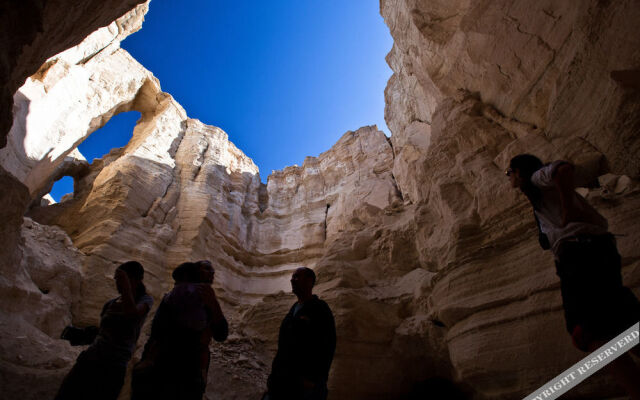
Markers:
point(427, 257)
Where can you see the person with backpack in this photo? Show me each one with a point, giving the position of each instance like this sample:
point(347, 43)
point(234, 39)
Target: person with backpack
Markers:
point(175, 362)
point(99, 371)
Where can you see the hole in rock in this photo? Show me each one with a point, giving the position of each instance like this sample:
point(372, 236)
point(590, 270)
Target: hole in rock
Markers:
point(283, 80)
point(115, 133)
point(61, 188)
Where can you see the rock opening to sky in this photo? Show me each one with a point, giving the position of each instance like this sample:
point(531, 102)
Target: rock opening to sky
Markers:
point(284, 80)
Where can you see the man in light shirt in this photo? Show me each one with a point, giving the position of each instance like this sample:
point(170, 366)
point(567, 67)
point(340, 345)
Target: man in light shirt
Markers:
point(597, 307)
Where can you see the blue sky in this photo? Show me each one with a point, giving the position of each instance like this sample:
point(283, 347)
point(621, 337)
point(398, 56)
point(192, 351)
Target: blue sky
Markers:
point(284, 79)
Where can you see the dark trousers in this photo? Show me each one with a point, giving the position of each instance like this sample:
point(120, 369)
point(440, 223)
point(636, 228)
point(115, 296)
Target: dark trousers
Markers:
point(181, 387)
point(594, 300)
point(169, 380)
point(92, 379)
point(291, 388)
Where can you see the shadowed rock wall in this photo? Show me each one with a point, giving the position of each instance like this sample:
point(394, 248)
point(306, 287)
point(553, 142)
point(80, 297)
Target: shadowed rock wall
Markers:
point(475, 83)
point(31, 31)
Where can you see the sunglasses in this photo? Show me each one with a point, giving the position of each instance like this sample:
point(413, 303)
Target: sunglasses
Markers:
point(508, 172)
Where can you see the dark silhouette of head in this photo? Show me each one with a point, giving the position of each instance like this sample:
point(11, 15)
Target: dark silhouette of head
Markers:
point(521, 168)
point(187, 272)
point(302, 282)
point(205, 271)
point(525, 165)
point(135, 273)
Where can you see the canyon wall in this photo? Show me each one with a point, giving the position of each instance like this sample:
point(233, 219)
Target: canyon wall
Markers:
point(179, 190)
point(428, 259)
point(474, 84)
point(31, 31)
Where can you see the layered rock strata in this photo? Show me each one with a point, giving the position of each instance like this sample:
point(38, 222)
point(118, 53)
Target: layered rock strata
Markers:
point(180, 190)
point(31, 31)
point(48, 124)
point(474, 84)
point(39, 291)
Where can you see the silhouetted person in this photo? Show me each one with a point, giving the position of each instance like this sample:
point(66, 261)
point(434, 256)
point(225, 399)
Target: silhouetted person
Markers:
point(99, 370)
point(306, 344)
point(597, 307)
point(176, 359)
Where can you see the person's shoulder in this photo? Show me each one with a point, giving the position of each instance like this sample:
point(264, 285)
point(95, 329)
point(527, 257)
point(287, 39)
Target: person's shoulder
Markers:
point(293, 307)
point(554, 166)
point(108, 304)
point(543, 177)
point(146, 299)
point(111, 301)
point(321, 304)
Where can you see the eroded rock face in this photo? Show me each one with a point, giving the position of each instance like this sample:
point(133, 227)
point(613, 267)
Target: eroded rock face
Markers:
point(549, 64)
point(474, 84)
point(180, 190)
point(31, 31)
point(48, 124)
point(426, 256)
point(38, 295)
